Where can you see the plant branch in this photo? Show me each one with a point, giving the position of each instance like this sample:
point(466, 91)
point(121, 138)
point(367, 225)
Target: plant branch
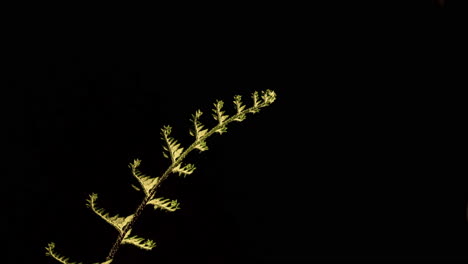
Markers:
point(268, 97)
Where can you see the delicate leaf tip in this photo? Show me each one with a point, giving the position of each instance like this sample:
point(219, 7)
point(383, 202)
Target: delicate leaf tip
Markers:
point(184, 170)
point(50, 252)
point(167, 129)
point(265, 99)
point(239, 108)
point(145, 181)
point(219, 113)
point(255, 108)
point(219, 116)
point(268, 96)
point(165, 204)
point(172, 149)
point(198, 130)
point(119, 222)
point(146, 244)
point(255, 99)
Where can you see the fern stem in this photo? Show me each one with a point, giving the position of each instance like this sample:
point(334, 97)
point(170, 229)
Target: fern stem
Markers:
point(169, 170)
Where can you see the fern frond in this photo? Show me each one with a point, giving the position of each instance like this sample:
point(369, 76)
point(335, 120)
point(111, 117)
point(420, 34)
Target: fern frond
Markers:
point(146, 244)
point(172, 149)
point(51, 253)
point(165, 204)
point(176, 153)
point(184, 170)
point(119, 222)
point(147, 182)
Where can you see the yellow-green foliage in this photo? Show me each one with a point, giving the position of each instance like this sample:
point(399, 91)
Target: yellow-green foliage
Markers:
point(173, 151)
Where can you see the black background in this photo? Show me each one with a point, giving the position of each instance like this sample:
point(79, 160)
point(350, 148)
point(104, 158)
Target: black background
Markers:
point(359, 158)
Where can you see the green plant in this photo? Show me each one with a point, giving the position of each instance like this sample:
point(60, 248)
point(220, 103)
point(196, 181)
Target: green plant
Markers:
point(176, 154)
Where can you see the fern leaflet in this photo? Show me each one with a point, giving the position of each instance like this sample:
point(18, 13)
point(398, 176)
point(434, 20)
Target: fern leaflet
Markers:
point(146, 244)
point(165, 204)
point(145, 181)
point(198, 131)
point(51, 253)
point(184, 170)
point(119, 222)
point(239, 108)
point(172, 149)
